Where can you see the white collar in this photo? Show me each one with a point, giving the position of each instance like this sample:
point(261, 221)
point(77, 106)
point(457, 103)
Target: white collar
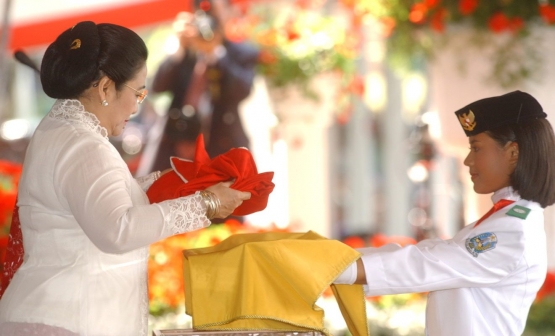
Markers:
point(505, 193)
point(73, 111)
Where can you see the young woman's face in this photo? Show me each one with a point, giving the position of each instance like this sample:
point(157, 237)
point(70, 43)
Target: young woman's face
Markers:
point(490, 165)
point(125, 103)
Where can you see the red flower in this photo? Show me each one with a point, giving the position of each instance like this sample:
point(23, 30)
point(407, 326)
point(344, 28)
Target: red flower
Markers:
point(349, 3)
point(467, 7)
point(418, 13)
point(9, 179)
point(380, 239)
point(499, 22)
point(354, 241)
point(306, 4)
point(267, 38)
point(377, 240)
point(437, 21)
point(357, 86)
point(547, 12)
point(431, 3)
point(10, 168)
point(266, 57)
point(242, 5)
point(516, 24)
point(292, 34)
point(357, 19)
point(387, 25)
point(548, 286)
point(205, 5)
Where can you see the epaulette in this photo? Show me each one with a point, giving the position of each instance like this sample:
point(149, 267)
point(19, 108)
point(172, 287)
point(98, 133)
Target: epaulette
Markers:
point(519, 211)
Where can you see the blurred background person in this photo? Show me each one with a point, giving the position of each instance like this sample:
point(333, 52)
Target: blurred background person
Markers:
point(208, 77)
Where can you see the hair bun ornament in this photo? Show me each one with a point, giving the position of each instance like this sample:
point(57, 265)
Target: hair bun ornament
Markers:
point(70, 63)
point(76, 44)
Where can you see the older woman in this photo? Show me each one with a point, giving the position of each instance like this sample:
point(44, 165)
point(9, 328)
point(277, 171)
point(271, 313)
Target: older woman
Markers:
point(86, 221)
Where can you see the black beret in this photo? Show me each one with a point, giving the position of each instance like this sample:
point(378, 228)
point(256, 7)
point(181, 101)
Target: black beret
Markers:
point(489, 113)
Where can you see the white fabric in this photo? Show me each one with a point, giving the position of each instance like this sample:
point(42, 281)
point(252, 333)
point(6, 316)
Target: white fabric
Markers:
point(490, 294)
point(348, 276)
point(146, 181)
point(86, 227)
point(33, 329)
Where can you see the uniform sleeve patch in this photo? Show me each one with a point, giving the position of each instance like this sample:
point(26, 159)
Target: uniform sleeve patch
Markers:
point(519, 211)
point(481, 243)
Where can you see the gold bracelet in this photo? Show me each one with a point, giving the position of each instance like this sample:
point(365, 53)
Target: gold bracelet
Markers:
point(212, 203)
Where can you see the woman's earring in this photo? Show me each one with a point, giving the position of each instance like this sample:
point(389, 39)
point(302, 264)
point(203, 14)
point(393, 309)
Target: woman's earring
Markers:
point(104, 103)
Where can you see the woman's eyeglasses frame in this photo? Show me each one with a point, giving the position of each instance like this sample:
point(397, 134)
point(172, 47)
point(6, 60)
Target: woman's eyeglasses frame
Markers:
point(142, 94)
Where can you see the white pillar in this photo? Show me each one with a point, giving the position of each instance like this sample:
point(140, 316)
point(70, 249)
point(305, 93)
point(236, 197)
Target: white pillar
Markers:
point(396, 183)
point(304, 126)
point(360, 174)
point(447, 188)
point(25, 92)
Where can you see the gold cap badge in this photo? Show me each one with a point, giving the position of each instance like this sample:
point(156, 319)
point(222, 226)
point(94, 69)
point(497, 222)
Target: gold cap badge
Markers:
point(467, 120)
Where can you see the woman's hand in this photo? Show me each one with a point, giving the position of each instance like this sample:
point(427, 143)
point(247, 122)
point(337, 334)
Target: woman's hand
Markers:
point(229, 198)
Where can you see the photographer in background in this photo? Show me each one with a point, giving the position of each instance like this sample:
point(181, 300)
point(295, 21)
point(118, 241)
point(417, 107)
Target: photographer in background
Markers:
point(208, 77)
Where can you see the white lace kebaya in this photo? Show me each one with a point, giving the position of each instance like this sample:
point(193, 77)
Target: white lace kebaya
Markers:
point(86, 225)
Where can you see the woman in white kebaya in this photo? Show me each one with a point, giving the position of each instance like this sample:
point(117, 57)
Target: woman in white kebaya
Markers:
point(86, 222)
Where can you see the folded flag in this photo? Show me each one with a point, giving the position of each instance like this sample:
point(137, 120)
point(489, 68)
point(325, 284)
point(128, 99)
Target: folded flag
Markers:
point(236, 164)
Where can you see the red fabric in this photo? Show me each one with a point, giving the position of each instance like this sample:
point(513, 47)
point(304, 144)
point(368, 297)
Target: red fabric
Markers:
point(499, 205)
point(202, 172)
point(14, 253)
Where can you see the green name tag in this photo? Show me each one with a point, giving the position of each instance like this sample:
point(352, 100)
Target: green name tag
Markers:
point(519, 211)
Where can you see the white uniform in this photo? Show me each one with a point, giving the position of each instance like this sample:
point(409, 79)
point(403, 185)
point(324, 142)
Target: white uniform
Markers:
point(86, 225)
point(481, 282)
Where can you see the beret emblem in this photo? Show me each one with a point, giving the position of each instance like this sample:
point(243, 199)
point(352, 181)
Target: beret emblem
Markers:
point(467, 120)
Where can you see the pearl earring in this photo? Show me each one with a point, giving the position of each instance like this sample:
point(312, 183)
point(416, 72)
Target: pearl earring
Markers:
point(104, 103)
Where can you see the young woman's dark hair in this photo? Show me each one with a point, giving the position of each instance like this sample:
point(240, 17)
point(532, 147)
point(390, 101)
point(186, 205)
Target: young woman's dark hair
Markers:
point(85, 52)
point(534, 175)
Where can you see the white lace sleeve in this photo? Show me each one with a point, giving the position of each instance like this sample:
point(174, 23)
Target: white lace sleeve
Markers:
point(185, 214)
point(146, 181)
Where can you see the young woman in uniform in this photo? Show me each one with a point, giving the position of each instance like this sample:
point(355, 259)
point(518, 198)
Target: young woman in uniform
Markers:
point(483, 280)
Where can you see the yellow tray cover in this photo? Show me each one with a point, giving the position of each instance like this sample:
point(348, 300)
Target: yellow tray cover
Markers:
point(270, 281)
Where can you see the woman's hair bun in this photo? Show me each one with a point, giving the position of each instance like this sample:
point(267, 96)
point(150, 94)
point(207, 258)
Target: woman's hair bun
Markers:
point(70, 63)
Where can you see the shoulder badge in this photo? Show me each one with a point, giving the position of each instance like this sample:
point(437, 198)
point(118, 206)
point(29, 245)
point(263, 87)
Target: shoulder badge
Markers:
point(481, 243)
point(519, 211)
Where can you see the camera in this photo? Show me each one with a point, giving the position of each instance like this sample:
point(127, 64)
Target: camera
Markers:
point(205, 24)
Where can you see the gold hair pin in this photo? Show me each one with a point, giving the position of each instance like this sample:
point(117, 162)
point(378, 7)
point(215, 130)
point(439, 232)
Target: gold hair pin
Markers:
point(76, 44)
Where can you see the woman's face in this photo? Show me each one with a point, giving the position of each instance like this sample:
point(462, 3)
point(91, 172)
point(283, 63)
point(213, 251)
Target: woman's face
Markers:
point(490, 165)
point(123, 104)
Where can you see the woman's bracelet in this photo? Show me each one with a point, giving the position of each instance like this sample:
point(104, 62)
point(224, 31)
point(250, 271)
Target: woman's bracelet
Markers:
point(156, 175)
point(212, 203)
